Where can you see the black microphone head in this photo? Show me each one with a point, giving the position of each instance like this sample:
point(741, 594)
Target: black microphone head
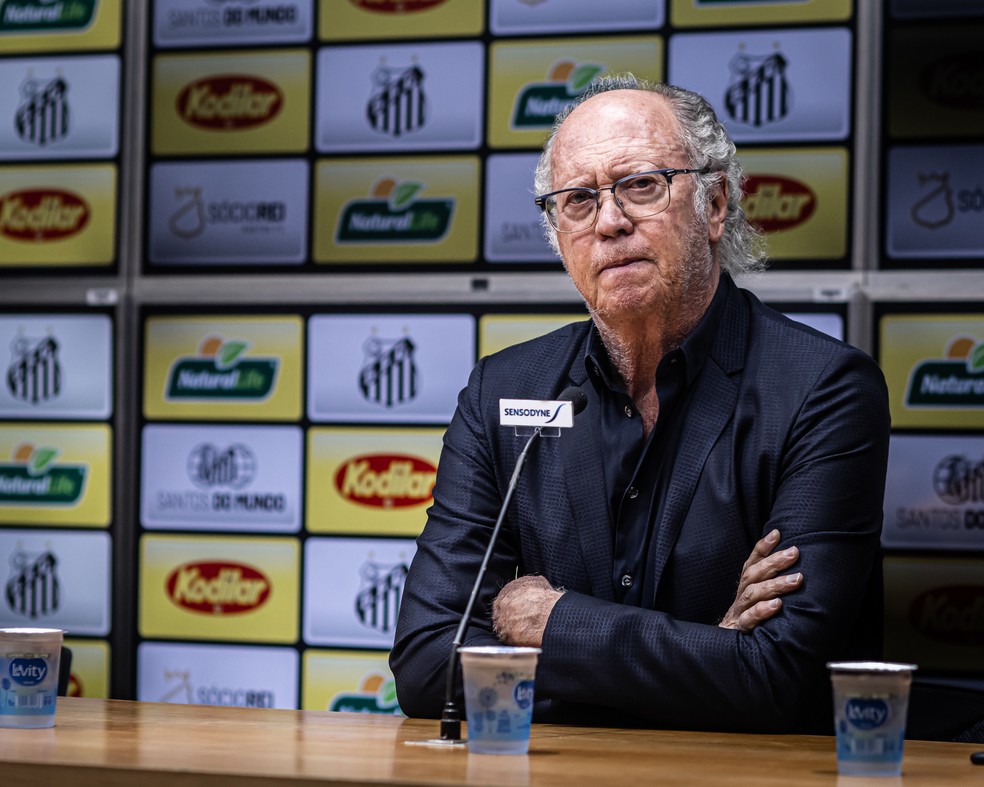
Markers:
point(576, 396)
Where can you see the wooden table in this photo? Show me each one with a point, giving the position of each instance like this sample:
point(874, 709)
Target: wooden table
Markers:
point(115, 742)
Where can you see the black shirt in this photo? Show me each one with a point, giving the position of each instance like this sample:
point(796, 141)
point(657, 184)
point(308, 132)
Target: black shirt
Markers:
point(637, 469)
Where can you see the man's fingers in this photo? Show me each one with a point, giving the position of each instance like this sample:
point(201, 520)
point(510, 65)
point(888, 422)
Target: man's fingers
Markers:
point(761, 612)
point(769, 567)
point(762, 548)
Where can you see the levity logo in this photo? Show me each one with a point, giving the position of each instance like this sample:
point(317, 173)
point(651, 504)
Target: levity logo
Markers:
point(537, 104)
point(218, 372)
point(376, 694)
point(386, 481)
point(25, 15)
point(774, 203)
point(229, 102)
point(954, 381)
point(396, 6)
point(953, 615)
point(217, 588)
point(42, 215)
point(33, 479)
point(28, 671)
point(866, 714)
point(395, 214)
point(532, 412)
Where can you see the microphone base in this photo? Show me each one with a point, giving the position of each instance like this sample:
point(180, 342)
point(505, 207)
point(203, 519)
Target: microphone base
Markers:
point(441, 743)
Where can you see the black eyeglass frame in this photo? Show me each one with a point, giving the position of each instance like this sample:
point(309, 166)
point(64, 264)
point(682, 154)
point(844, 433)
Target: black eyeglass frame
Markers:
point(668, 173)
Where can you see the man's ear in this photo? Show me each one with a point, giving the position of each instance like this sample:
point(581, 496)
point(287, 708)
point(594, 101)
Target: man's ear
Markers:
point(717, 209)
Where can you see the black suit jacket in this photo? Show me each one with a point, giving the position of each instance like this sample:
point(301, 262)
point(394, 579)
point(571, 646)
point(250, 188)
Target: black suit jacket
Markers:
point(789, 430)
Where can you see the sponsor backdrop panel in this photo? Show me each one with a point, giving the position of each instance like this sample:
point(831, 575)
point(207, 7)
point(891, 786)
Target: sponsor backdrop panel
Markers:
point(233, 676)
point(935, 204)
point(222, 368)
point(192, 23)
point(725, 13)
point(41, 25)
point(348, 681)
point(933, 88)
point(231, 102)
point(828, 323)
point(498, 331)
point(58, 214)
point(89, 676)
point(799, 198)
point(394, 368)
point(221, 588)
point(513, 229)
point(770, 86)
point(55, 475)
point(342, 21)
point(62, 108)
point(521, 17)
point(229, 213)
point(55, 579)
point(397, 210)
point(371, 481)
point(531, 81)
point(934, 497)
point(59, 366)
point(934, 366)
point(932, 612)
point(918, 9)
point(400, 97)
point(352, 590)
point(222, 478)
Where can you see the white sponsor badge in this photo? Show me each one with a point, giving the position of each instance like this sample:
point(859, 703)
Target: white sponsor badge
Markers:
point(533, 412)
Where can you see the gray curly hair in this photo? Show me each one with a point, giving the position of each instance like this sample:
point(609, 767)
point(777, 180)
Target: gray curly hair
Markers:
point(706, 143)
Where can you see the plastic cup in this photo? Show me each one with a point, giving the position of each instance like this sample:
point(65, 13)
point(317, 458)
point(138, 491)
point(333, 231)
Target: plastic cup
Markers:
point(871, 699)
point(498, 685)
point(29, 676)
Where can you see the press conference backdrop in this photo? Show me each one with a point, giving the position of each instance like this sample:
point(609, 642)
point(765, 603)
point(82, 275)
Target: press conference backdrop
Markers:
point(252, 248)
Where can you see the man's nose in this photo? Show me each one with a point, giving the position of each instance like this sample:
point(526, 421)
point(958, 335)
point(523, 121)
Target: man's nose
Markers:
point(611, 217)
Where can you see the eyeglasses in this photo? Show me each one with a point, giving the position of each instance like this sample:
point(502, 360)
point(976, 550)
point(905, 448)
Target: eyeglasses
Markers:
point(638, 196)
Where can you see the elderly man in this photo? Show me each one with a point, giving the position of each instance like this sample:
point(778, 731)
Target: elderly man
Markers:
point(646, 549)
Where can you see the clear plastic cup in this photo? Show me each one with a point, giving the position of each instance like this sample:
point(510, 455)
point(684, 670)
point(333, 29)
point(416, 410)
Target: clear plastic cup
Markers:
point(29, 659)
point(498, 683)
point(871, 699)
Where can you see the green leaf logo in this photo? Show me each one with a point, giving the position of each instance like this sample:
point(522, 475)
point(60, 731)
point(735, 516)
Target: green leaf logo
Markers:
point(386, 696)
point(975, 358)
point(40, 459)
point(404, 193)
point(229, 353)
point(582, 75)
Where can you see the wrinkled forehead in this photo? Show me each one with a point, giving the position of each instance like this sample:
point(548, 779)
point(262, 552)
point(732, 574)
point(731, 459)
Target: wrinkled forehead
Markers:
point(616, 121)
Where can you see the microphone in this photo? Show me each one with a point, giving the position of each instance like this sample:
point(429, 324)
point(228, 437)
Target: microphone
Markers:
point(451, 715)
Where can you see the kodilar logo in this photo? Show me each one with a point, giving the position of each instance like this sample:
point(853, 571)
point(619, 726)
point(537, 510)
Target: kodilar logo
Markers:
point(22, 16)
point(219, 373)
point(957, 380)
point(33, 479)
point(217, 587)
point(396, 6)
point(537, 104)
point(386, 481)
point(229, 102)
point(41, 215)
point(773, 202)
point(395, 214)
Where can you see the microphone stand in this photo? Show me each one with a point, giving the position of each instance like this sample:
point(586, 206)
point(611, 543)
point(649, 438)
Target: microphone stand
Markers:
point(451, 715)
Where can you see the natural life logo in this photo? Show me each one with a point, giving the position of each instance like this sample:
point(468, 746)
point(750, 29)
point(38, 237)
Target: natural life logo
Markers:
point(53, 15)
point(759, 92)
point(376, 694)
point(33, 478)
point(957, 380)
point(537, 104)
point(394, 213)
point(35, 373)
point(219, 373)
point(43, 114)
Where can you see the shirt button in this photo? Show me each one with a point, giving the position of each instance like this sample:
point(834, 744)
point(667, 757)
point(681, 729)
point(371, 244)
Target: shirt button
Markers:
point(628, 412)
point(633, 493)
point(626, 581)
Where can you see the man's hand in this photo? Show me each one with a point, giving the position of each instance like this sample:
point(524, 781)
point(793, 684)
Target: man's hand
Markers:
point(759, 587)
point(520, 611)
